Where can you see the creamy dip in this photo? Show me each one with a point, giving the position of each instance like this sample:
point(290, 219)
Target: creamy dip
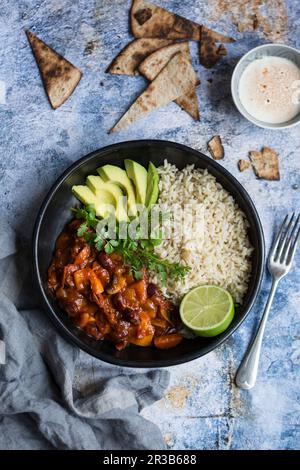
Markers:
point(268, 89)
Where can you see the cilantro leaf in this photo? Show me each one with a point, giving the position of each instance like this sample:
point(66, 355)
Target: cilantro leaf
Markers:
point(82, 230)
point(138, 275)
point(136, 253)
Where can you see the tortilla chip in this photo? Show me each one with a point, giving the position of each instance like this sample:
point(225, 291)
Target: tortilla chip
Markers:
point(243, 165)
point(210, 52)
point(189, 103)
point(151, 21)
point(128, 60)
point(175, 79)
point(155, 62)
point(59, 76)
point(216, 148)
point(152, 65)
point(215, 36)
point(265, 164)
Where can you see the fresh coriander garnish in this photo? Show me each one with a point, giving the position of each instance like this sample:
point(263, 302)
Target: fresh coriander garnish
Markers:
point(82, 230)
point(136, 253)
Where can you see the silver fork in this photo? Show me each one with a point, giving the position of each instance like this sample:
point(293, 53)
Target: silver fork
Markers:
point(280, 261)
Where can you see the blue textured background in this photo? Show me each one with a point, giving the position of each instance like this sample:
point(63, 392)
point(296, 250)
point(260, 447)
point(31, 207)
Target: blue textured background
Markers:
point(203, 408)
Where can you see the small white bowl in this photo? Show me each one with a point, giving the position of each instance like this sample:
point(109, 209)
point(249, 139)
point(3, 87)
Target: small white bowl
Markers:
point(277, 50)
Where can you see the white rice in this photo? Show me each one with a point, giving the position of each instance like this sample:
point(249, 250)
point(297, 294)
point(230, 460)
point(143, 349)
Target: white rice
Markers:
point(223, 255)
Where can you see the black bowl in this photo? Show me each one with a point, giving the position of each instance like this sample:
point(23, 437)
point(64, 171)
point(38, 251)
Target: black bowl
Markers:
point(55, 212)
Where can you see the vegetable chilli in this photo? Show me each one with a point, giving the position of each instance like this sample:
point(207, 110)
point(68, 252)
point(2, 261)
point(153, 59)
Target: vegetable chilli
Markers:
point(101, 295)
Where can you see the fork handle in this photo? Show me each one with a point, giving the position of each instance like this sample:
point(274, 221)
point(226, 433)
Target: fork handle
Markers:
point(247, 372)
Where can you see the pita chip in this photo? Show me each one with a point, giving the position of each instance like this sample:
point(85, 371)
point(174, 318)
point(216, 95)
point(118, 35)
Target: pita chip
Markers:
point(151, 21)
point(265, 164)
point(189, 103)
point(59, 76)
point(210, 52)
point(215, 36)
point(152, 65)
point(155, 62)
point(175, 79)
point(216, 148)
point(128, 60)
point(243, 165)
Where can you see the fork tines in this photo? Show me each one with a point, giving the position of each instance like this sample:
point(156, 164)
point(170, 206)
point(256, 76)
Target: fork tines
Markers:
point(285, 244)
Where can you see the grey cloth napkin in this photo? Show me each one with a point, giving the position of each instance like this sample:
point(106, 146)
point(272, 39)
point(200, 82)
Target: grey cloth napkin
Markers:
point(54, 396)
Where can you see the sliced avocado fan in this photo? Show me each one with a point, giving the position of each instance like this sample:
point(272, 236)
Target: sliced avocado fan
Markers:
point(114, 183)
point(152, 186)
point(96, 184)
point(100, 199)
point(116, 175)
point(138, 175)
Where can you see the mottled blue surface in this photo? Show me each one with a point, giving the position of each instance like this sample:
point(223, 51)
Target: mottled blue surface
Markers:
point(203, 409)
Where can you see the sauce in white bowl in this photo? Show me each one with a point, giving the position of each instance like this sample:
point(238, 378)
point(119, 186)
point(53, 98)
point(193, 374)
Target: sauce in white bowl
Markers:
point(267, 89)
point(259, 111)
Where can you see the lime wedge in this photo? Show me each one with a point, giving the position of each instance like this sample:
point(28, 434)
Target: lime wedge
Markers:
point(207, 310)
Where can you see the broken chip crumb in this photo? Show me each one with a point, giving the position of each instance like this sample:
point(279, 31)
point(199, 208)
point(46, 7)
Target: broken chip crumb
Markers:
point(216, 148)
point(243, 165)
point(265, 164)
point(177, 396)
point(210, 52)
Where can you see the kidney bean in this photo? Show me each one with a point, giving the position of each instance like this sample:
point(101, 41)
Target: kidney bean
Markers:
point(133, 316)
point(152, 289)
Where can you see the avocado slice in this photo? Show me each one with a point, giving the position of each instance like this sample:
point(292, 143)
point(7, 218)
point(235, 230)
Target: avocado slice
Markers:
point(138, 174)
point(96, 184)
point(114, 174)
point(100, 199)
point(152, 185)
